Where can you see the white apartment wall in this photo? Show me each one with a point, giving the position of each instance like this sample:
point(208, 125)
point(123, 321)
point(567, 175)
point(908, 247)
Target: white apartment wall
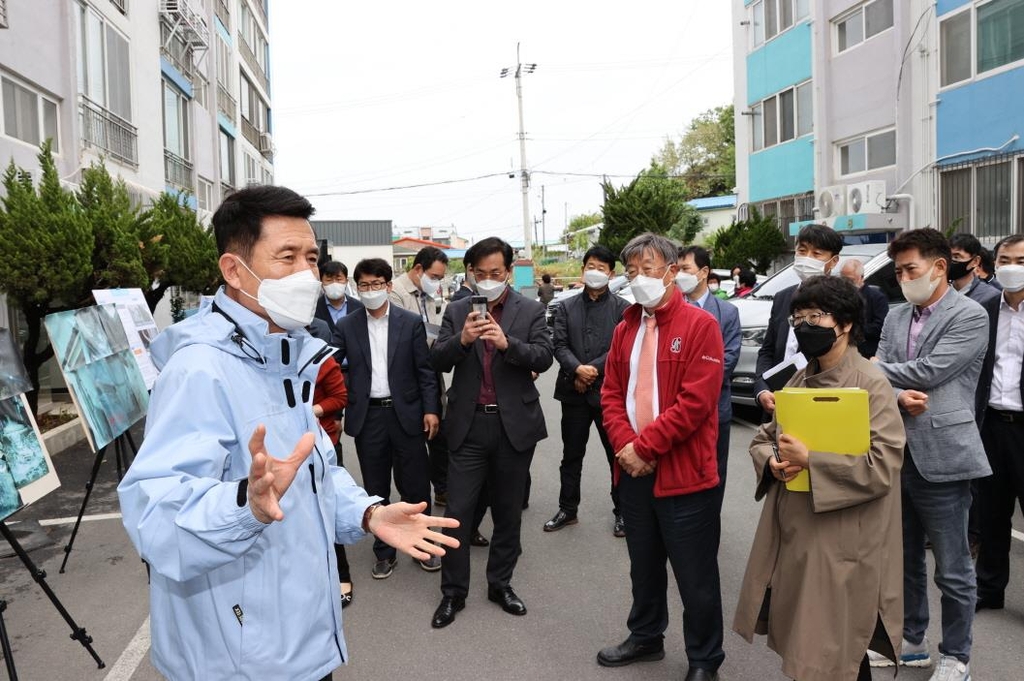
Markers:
point(717, 219)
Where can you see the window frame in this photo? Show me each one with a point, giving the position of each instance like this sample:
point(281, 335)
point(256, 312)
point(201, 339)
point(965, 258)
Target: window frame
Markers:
point(975, 75)
point(83, 49)
point(759, 117)
point(1016, 197)
point(861, 10)
point(761, 6)
point(40, 98)
point(183, 124)
point(864, 139)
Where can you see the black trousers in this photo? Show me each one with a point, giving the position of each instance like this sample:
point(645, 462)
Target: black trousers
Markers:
point(438, 456)
point(382, 447)
point(722, 447)
point(486, 457)
point(997, 495)
point(685, 531)
point(344, 572)
point(576, 420)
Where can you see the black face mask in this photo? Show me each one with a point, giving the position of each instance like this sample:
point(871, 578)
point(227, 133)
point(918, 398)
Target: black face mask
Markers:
point(959, 270)
point(814, 341)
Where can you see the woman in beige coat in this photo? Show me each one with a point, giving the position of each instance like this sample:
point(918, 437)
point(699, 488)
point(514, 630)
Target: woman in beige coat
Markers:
point(825, 575)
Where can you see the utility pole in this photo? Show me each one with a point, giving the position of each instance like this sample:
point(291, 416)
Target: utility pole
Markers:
point(520, 69)
point(543, 224)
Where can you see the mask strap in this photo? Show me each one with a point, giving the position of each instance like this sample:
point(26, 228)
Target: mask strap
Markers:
point(242, 290)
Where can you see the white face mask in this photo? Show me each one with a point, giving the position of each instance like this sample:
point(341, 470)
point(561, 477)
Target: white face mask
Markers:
point(1010, 277)
point(806, 268)
point(687, 282)
point(647, 291)
point(335, 291)
point(290, 302)
point(373, 300)
point(490, 289)
point(595, 279)
point(736, 279)
point(918, 291)
point(713, 287)
point(429, 285)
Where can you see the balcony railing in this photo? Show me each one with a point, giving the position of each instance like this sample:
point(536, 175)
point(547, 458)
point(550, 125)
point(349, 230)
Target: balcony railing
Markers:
point(3, 13)
point(176, 52)
point(220, 7)
point(178, 172)
point(226, 190)
point(109, 132)
point(250, 133)
point(226, 104)
point(121, 5)
point(250, 60)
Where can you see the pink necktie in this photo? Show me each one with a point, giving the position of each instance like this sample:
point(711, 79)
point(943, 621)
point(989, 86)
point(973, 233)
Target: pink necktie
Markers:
point(645, 379)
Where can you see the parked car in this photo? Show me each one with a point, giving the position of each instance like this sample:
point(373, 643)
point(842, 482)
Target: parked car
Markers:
point(755, 309)
point(618, 284)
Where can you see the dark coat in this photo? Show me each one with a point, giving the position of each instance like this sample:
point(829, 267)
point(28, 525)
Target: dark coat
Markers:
point(985, 380)
point(570, 338)
point(728, 318)
point(773, 348)
point(876, 307)
point(323, 313)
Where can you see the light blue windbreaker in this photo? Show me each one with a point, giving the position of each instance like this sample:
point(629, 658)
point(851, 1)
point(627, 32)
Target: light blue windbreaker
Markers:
point(230, 597)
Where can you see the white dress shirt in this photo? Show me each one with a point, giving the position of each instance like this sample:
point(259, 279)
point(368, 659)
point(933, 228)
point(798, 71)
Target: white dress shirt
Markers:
point(1009, 352)
point(634, 368)
point(377, 330)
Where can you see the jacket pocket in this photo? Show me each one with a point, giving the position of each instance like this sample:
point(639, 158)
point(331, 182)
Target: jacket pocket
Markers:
point(952, 418)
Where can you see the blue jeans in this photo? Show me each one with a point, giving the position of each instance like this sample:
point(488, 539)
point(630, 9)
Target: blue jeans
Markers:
point(938, 511)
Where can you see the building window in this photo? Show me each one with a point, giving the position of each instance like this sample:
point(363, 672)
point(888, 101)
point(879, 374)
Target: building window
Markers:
point(175, 121)
point(104, 74)
point(982, 199)
point(772, 17)
point(955, 49)
point(805, 110)
point(1000, 33)
point(865, 22)
point(227, 159)
point(3, 13)
point(955, 206)
point(28, 115)
point(782, 117)
point(757, 125)
point(201, 90)
point(867, 153)
point(993, 199)
point(204, 194)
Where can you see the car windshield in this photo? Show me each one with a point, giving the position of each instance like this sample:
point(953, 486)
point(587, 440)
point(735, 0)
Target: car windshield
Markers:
point(787, 277)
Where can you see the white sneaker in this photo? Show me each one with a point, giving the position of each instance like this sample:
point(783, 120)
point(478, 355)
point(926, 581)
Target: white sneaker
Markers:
point(952, 669)
point(913, 655)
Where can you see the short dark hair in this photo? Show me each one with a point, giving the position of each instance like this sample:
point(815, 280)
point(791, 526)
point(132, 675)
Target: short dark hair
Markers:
point(333, 268)
point(968, 243)
point(1005, 241)
point(714, 277)
point(486, 247)
point(428, 255)
point(834, 295)
point(820, 236)
point(988, 259)
point(701, 257)
point(748, 277)
point(930, 243)
point(238, 222)
point(546, 278)
point(601, 254)
point(373, 267)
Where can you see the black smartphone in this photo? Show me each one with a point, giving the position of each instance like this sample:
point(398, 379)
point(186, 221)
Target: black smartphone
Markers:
point(479, 304)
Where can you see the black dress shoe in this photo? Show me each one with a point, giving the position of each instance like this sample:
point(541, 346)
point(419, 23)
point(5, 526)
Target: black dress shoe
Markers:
point(988, 603)
point(478, 540)
point(445, 613)
point(629, 652)
point(560, 520)
point(698, 674)
point(619, 528)
point(507, 599)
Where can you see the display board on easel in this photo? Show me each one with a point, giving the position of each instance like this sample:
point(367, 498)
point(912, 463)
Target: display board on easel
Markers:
point(139, 325)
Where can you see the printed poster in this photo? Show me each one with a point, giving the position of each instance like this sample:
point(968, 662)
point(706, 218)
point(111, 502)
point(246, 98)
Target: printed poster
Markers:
point(139, 325)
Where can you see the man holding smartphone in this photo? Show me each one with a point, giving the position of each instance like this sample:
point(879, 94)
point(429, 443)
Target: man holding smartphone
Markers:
point(493, 341)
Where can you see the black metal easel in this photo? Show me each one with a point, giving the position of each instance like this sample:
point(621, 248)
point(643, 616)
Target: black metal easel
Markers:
point(5, 645)
point(122, 444)
point(77, 632)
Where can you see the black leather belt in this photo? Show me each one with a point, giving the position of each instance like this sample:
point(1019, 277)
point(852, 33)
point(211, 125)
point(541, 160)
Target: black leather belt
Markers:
point(487, 408)
point(380, 402)
point(1008, 416)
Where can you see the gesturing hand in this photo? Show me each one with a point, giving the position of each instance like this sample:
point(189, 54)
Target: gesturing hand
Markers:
point(404, 527)
point(270, 478)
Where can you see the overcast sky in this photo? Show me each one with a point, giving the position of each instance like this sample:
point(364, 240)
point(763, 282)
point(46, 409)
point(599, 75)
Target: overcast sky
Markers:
point(372, 95)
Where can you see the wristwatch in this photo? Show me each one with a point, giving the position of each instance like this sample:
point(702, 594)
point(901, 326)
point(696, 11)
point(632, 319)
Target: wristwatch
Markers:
point(367, 514)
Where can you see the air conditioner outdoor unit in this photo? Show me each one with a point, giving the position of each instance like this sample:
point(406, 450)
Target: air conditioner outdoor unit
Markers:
point(865, 197)
point(266, 143)
point(831, 202)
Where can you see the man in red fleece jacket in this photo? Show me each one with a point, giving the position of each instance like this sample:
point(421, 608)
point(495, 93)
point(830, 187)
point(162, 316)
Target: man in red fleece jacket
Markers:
point(660, 401)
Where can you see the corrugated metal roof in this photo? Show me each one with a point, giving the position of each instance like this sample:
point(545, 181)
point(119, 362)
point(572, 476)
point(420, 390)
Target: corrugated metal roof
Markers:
point(713, 202)
point(353, 232)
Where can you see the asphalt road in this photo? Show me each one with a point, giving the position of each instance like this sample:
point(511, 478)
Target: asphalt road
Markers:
point(575, 584)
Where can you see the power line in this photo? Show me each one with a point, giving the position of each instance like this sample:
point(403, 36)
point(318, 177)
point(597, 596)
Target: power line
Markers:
point(410, 186)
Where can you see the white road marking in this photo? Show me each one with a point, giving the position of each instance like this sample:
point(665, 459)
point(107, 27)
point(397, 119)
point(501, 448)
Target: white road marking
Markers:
point(1019, 536)
point(132, 657)
point(71, 519)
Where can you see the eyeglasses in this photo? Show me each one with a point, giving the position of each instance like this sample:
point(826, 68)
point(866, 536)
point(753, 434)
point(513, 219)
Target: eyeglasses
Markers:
point(631, 274)
point(364, 286)
point(812, 319)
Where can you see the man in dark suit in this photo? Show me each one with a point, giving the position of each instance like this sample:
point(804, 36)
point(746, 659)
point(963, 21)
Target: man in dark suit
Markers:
point(494, 420)
point(392, 397)
point(335, 303)
point(876, 306)
point(966, 250)
point(694, 268)
point(583, 326)
point(1001, 400)
point(817, 252)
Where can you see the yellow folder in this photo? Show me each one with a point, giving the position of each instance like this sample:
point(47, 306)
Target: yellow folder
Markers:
point(826, 420)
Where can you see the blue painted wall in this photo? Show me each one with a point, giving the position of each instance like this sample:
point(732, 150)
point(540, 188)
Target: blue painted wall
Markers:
point(946, 6)
point(782, 170)
point(984, 113)
point(779, 63)
point(175, 76)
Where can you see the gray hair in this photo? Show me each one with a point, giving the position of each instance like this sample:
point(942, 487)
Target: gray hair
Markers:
point(858, 266)
point(649, 242)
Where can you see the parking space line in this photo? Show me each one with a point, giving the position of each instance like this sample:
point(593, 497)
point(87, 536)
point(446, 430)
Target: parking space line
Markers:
point(71, 519)
point(131, 658)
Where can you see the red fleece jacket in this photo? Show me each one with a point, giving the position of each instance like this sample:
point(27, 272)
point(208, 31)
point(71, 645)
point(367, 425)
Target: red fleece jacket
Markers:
point(682, 439)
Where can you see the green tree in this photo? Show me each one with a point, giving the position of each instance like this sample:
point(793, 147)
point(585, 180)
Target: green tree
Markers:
point(185, 252)
point(651, 202)
point(704, 158)
point(116, 226)
point(755, 242)
point(48, 245)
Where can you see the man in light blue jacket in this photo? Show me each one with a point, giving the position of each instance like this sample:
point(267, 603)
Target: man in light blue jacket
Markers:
point(244, 581)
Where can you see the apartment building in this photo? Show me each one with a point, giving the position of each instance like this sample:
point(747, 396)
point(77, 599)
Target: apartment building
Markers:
point(879, 115)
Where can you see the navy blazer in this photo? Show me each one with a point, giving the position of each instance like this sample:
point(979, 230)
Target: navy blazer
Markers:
point(985, 380)
point(323, 313)
point(876, 307)
point(773, 348)
point(729, 322)
point(412, 381)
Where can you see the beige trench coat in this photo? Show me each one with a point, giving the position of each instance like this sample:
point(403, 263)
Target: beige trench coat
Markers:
point(827, 566)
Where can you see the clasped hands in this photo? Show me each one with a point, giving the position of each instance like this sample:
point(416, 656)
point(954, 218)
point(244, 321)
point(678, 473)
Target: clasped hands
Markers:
point(401, 525)
point(585, 377)
point(483, 327)
point(632, 464)
point(794, 458)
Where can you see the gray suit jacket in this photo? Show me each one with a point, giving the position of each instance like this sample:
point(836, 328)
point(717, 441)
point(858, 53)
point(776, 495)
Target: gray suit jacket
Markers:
point(944, 440)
